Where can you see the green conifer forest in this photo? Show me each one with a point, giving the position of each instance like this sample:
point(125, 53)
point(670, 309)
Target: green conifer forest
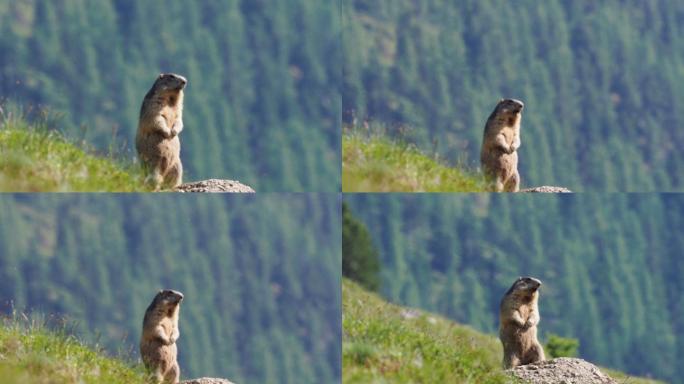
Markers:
point(611, 266)
point(262, 104)
point(261, 276)
point(600, 81)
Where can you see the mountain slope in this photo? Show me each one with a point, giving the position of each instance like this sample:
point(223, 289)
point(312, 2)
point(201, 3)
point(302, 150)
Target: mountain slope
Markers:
point(260, 274)
point(611, 265)
point(601, 114)
point(34, 355)
point(379, 164)
point(383, 342)
point(262, 101)
point(35, 159)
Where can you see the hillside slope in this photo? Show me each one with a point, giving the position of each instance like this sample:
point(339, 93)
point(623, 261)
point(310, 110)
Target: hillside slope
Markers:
point(599, 112)
point(260, 274)
point(34, 355)
point(380, 164)
point(611, 265)
point(262, 101)
point(383, 342)
point(36, 159)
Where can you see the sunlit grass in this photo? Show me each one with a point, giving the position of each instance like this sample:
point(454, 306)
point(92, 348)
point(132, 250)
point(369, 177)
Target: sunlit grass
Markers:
point(34, 158)
point(375, 163)
point(32, 354)
point(387, 343)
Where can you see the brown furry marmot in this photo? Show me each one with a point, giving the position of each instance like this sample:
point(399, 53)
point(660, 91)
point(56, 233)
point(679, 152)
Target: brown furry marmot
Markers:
point(161, 120)
point(518, 319)
point(159, 335)
point(498, 156)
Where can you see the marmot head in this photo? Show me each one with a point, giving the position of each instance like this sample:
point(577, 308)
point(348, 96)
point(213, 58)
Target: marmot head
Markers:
point(511, 106)
point(526, 288)
point(170, 82)
point(508, 110)
point(167, 300)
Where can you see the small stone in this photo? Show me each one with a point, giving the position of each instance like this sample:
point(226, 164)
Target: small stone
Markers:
point(215, 186)
point(547, 189)
point(207, 380)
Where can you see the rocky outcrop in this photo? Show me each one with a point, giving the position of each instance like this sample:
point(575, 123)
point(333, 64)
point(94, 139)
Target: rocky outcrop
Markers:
point(207, 380)
point(561, 370)
point(215, 186)
point(547, 189)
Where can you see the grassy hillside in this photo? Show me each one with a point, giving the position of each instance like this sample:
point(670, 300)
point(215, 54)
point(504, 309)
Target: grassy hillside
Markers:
point(262, 103)
point(260, 273)
point(379, 164)
point(599, 113)
point(438, 252)
point(34, 355)
point(383, 342)
point(36, 159)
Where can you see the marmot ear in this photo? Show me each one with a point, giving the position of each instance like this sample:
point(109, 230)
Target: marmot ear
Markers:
point(501, 100)
point(161, 75)
point(160, 291)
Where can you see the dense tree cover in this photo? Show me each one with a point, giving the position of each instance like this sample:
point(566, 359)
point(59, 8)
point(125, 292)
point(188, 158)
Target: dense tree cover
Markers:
point(557, 346)
point(611, 265)
point(262, 104)
point(599, 79)
point(360, 259)
point(261, 276)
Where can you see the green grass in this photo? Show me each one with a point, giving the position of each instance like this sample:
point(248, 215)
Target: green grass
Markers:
point(30, 354)
point(387, 343)
point(377, 164)
point(373, 162)
point(34, 158)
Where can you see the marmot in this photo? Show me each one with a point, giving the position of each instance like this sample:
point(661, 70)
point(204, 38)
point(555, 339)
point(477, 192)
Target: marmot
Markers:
point(518, 319)
point(161, 120)
point(498, 157)
point(159, 335)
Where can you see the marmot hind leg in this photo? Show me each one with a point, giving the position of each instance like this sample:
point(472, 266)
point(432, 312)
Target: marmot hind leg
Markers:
point(495, 181)
point(172, 375)
point(174, 176)
point(510, 360)
point(154, 179)
point(534, 354)
point(513, 182)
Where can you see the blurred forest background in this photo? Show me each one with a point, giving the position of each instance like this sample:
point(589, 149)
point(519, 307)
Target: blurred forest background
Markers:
point(611, 265)
point(261, 276)
point(262, 104)
point(601, 82)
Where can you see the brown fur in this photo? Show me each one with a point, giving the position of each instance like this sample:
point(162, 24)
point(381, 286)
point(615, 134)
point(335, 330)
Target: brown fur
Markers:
point(161, 120)
point(518, 319)
point(159, 335)
point(498, 156)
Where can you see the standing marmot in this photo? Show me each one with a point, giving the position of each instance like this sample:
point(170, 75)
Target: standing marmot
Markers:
point(518, 319)
point(159, 335)
point(498, 157)
point(161, 120)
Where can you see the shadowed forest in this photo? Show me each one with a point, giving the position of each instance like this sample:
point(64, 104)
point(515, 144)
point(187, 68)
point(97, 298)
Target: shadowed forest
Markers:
point(611, 266)
point(262, 104)
point(261, 276)
point(600, 82)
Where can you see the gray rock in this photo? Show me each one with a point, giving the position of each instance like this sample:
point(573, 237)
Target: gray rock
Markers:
point(215, 186)
point(561, 370)
point(547, 189)
point(206, 380)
